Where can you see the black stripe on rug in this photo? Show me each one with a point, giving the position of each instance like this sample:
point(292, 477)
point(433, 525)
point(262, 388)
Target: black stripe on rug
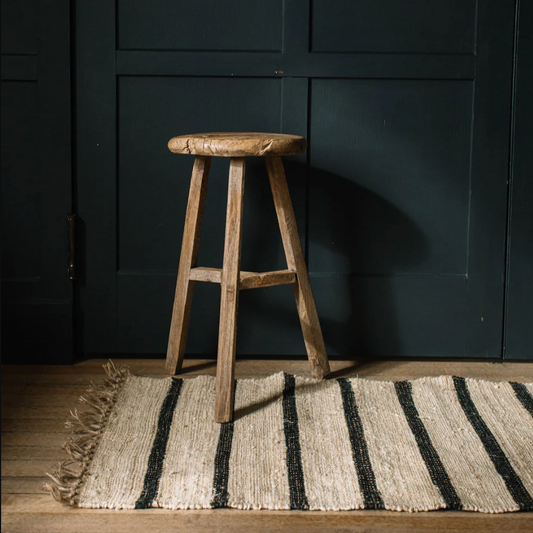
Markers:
point(222, 457)
point(367, 480)
point(523, 395)
point(298, 498)
point(494, 451)
point(436, 469)
point(159, 446)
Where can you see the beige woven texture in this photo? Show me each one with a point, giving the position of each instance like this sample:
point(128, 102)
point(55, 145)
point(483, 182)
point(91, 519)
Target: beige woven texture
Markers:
point(113, 474)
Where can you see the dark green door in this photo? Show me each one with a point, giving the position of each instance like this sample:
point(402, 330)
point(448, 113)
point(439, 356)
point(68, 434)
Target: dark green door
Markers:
point(401, 198)
point(37, 294)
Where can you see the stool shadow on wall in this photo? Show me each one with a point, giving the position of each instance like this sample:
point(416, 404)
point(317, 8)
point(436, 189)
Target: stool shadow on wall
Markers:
point(359, 246)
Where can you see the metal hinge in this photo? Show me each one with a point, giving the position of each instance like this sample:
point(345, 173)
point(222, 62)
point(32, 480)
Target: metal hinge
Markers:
point(71, 246)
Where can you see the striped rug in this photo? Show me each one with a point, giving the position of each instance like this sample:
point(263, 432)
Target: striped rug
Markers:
point(296, 443)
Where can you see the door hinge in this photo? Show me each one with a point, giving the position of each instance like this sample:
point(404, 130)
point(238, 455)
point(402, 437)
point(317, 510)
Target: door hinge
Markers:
point(71, 246)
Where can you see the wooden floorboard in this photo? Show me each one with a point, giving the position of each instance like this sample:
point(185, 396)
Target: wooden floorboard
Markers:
point(36, 402)
point(23, 485)
point(27, 453)
point(35, 514)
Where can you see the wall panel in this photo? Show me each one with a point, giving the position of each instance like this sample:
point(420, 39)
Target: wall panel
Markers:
point(200, 25)
point(392, 26)
point(390, 176)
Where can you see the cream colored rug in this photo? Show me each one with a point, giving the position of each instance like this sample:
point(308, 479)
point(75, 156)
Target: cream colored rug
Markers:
point(295, 443)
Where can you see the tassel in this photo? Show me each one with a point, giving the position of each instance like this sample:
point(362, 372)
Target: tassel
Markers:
point(86, 427)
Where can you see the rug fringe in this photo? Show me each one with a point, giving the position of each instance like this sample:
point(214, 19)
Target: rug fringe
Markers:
point(87, 427)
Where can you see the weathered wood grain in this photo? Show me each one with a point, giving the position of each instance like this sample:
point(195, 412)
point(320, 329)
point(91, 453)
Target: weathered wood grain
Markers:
point(238, 144)
point(256, 280)
point(190, 248)
point(229, 300)
point(305, 303)
point(206, 274)
point(247, 280)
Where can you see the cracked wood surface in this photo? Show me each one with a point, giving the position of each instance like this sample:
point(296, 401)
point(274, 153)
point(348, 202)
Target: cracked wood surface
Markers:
point(238, 144)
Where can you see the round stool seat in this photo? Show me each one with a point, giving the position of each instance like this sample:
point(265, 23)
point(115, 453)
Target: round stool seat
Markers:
point(238, 144)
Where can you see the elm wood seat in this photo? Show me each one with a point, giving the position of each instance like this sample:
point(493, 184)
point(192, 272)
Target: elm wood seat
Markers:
point(232, 280)
point(238, 144)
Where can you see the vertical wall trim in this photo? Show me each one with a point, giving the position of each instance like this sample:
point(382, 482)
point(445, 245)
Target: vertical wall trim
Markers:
point(96, 172)
point(507, 268)
point(490, 156)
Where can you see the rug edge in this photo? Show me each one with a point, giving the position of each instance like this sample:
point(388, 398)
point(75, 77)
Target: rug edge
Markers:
point(86, 428)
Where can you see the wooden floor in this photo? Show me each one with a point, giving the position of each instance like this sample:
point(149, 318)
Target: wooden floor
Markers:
point(36, 402)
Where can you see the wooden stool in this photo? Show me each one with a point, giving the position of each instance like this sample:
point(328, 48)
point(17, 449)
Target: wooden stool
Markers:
point(238, 146)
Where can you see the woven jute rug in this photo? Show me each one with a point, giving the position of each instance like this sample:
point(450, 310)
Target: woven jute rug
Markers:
point(296, 443)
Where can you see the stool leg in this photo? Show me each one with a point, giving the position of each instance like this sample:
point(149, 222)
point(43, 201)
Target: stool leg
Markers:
point(190, 247)
point(305, 303)
point(229, 299)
